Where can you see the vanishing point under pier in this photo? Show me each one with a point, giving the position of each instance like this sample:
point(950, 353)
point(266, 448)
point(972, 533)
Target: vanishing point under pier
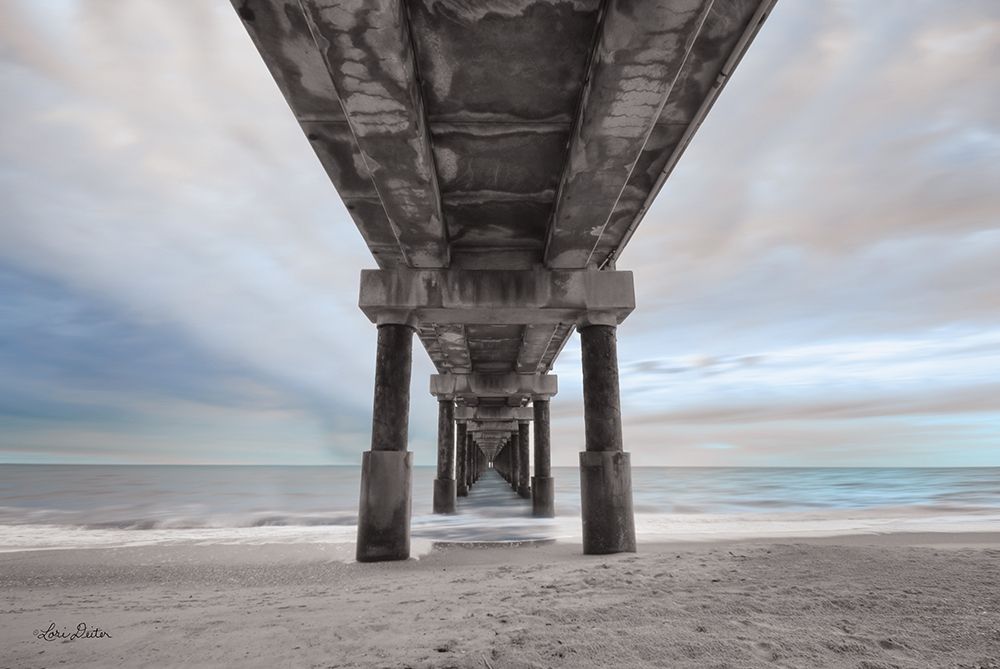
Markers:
point(496, 157)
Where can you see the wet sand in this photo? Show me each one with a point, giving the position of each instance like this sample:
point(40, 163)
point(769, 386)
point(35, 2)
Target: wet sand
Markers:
point(871, 601)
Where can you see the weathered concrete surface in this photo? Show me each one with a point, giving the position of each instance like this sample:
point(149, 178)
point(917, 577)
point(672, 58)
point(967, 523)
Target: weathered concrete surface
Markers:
point(487, 151)
point(515, 464)
point(493, 413)
point(605, 477)
point(462, 483)
point(606, 502)
point(543, 497)
point(639, 53)
point(725, 36)
point(391, 410)
point(384, 508)
point(445, 492)
point(366, 47)
point(601, 403)
point(452, 129)
point(542, 483)
point(524, 459)
point(444, 484)
point(470, 447)
point(473, 388)
point(476, 426)
point(493, 297)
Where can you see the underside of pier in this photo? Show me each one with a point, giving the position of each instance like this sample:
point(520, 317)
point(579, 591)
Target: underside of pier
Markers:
point(497, 156)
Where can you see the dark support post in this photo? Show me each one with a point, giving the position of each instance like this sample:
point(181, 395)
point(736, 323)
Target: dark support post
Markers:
point(605, 472)
point(384, 509)
point(524, 459)
point(542, 483)
point(469, 448)
point(462, 487)
point(515, 468)
point(444, 484)
point(510, 462)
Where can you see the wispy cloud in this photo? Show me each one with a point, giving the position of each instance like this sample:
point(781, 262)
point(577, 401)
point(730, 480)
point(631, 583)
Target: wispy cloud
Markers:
point(817, 282)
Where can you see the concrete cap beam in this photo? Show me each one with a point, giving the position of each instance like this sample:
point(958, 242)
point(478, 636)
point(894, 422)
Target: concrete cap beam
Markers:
point(480, 413)
point(496, 297)
point(478, 426)
point(473, 387)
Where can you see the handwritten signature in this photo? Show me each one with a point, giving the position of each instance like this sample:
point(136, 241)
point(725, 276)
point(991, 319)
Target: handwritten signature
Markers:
point(81, 632)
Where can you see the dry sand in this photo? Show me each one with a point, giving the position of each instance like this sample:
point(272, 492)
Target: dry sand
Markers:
point(893, 601)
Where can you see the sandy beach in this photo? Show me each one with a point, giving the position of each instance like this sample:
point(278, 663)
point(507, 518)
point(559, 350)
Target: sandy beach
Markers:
point(894, 600)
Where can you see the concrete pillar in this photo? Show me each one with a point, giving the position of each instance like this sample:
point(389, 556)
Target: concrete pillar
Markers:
point(384, 509)
point(462, 483)
point(510, 462)
point(444, 484)
point(524, 460)
point(605, 472)
point(542, 483)
point(515, 465)
point(469, 450)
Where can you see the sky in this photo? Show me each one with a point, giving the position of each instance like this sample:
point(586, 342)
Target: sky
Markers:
point(817, 284)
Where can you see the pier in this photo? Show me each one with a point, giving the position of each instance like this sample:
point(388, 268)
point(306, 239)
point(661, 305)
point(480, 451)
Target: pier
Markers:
point(496, 157)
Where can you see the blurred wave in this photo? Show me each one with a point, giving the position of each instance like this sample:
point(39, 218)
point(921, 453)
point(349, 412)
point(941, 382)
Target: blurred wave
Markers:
point(67, 506)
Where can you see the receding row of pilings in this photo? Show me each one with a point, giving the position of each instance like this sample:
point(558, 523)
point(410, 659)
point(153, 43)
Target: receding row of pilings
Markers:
point(605, 473)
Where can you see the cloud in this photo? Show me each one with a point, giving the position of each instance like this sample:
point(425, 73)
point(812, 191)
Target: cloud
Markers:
point(816, 283)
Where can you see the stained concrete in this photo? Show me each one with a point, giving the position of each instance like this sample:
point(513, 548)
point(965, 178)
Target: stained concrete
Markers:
point(503, 135)
point(391, 410)
point(384, 508)
point(461, 460)
point(496, 157)
point(542, 483)
point(524, 459)
point(444, 485)
point(606, 502)
point(605, 476)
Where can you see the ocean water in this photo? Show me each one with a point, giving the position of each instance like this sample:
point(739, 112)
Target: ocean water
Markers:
point(74, 506)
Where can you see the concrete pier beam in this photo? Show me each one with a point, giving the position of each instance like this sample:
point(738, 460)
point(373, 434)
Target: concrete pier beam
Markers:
point(461, 481)
point(524, 460)
point(542, 483)
point(444, 484)
point(605, 471)
point(384, 508)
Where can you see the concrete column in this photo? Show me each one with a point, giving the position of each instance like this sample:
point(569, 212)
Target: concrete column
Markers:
point(444, 484)
point(524, 460)
point(605, 472)
point(515, 465)
point(542, 483)
point(462, 483)
point(384, 509)
point(510, 462)
point(469, 448)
